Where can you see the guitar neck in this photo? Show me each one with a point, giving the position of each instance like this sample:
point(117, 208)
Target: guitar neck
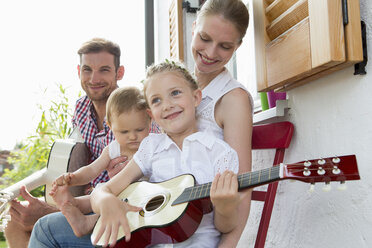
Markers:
point(246, 180)
point(31, 182)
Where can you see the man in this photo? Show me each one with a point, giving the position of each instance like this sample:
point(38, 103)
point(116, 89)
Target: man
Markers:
point(99, 71)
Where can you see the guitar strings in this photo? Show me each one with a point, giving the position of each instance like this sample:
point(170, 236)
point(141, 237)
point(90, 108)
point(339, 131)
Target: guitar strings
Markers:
point(149, 197)
point(202, 190)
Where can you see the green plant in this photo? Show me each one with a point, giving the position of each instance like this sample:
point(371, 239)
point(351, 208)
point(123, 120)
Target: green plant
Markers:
point(34, 150)
point(2, 238)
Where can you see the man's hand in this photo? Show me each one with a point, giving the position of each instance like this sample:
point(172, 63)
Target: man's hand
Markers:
point(116, 165)
point(28, 212)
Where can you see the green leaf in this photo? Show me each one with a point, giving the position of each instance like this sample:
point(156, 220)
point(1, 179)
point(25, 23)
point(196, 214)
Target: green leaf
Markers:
point(33, 152)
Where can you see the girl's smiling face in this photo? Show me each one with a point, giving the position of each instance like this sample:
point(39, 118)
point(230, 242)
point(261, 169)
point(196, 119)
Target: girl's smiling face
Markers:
point(172, 103)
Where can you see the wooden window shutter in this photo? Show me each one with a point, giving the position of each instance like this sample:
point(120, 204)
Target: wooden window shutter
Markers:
point(298, 41)
point(176, 30)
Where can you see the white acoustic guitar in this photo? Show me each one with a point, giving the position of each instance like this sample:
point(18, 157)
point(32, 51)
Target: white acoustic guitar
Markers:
point(65, 155)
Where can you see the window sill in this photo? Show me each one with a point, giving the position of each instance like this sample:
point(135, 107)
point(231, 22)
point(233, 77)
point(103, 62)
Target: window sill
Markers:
point(278, 111)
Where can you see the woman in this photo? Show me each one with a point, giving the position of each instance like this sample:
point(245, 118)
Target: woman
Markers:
point(217, 33)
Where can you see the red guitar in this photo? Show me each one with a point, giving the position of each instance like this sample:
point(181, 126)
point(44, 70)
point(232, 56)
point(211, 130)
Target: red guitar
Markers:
point(175, 207)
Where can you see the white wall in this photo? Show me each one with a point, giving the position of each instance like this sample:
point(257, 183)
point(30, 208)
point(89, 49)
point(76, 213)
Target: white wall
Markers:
point(332, 116)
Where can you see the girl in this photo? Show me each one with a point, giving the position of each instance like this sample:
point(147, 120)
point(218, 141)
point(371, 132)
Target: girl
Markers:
point(172, 95)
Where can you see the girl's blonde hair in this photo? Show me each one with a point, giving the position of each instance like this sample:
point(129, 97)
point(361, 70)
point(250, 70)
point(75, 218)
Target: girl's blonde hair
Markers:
point(234, 11)
point(169, 66)
point(124, 100)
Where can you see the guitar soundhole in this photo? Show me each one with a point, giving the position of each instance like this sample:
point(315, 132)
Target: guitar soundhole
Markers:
point(155, 203)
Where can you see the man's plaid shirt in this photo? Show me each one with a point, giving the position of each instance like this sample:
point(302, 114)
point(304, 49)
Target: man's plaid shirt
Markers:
point(85, 119)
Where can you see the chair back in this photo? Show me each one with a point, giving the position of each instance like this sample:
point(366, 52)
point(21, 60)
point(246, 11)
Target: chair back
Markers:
point(276, 136)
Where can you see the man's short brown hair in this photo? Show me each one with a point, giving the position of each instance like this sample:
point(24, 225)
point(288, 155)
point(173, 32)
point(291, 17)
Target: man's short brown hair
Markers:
point(97, 45)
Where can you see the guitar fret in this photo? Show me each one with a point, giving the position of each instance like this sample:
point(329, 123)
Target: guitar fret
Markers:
point(255, 177)
point(192, 193)
point(269, 174)
point(205, 190)
point(259, 176)
point(200, 191)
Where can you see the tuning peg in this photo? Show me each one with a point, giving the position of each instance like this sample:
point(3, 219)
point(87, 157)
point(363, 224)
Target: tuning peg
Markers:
point(312, 188)
point(321, 161)
point(342, 186)
point(336, 160)
point(306, 172)
point(321, 171)
point(336, 170)
point(307, 163)
point(327, 187)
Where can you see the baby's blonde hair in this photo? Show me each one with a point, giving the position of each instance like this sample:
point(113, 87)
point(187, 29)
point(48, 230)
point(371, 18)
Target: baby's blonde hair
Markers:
point(124, 100)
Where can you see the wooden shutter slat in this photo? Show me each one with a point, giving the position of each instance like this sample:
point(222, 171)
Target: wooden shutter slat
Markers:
point(268, 2)
point(288, 19)
point(278, 7)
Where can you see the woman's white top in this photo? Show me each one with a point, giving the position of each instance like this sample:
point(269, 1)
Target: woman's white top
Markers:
point(203, 156)
point(211, 94)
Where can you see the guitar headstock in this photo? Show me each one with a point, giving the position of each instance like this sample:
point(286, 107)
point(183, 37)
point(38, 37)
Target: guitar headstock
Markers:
point(341, 169)
point(4, 217)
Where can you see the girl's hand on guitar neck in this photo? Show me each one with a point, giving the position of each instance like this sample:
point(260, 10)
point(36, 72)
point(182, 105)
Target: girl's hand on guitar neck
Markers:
point(225, 199)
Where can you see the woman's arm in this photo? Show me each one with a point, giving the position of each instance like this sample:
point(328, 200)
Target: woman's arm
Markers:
point(237, 127)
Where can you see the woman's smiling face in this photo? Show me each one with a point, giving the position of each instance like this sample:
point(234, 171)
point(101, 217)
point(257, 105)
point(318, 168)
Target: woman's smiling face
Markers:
point(214, 41)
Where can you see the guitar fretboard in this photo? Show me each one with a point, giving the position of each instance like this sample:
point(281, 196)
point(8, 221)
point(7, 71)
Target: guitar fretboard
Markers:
point(246, 180)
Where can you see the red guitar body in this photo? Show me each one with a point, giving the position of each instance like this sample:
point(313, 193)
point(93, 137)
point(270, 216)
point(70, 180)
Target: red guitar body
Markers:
point(178, 231)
